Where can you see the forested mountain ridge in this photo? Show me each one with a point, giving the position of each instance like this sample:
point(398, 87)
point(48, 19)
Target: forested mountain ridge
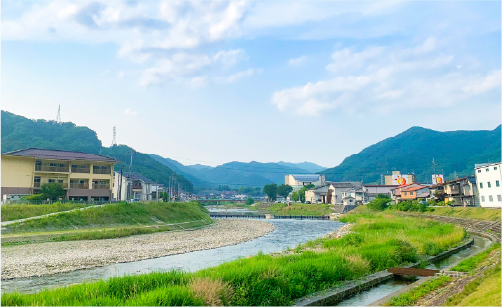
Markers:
point(413, 151)
point(19, 132)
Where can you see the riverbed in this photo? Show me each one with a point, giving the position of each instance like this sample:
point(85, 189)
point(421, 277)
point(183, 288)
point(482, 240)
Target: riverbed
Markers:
point(287, 234)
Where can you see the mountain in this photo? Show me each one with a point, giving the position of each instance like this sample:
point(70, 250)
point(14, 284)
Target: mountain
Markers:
point(19, 132)
point(181, 169)
point(413, 151)
point(308, 166)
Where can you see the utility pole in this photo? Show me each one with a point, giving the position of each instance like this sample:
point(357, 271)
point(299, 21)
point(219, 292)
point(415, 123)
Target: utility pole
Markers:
point(120, 184)
point(434, 164)
point(130, 177)
point(114, 141)
point(58, 117)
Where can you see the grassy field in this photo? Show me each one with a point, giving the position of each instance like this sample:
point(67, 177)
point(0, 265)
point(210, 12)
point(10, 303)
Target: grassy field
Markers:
point(377, 242)
point(467, 212)
point(484, 291)
point(21, 211)
point(110, 221)
point(296, 209)
point(411, 297)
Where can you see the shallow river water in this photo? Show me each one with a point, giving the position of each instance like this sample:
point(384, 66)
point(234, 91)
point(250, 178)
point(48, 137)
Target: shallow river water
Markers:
point(288, 233)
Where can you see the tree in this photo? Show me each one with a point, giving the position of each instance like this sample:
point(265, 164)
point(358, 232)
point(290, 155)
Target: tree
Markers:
point(284, 190)
point(249, 201)
point(295, 196)
point(52, 190)
point(271, 191)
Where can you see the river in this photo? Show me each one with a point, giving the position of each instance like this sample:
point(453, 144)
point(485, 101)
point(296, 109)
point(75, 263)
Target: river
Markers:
point(288, 233)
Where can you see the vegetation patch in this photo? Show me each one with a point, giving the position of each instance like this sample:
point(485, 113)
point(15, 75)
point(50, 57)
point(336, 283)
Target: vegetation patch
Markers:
point(22, 211)
point(115, 215)
point(411, 297)
point(375, 244)
point(471, 263)
point(300, 209)
point(489, 214)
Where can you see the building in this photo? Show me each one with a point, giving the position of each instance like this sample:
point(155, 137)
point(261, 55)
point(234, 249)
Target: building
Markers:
point(397, 192)
point(371, 191)
point(298, 181)
point(488, 180)
point(85, 177)
point(333, 193)
point(461, 192)
point(135, 184)
point(398, 179)
point(417, 192)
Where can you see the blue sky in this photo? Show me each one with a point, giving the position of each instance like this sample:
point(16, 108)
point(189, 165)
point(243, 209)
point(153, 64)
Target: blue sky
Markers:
point(215, 81)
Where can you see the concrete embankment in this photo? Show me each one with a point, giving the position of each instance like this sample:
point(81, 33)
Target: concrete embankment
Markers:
point(56, 257)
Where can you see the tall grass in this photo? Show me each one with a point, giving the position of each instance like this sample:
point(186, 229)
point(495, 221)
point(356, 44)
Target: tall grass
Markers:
point(377, 243)
point(22, 211)
point(118, 214)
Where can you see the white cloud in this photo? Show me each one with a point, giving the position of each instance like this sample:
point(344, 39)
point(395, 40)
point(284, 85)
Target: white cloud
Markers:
point(382, 79)
point(234, 77)
point(120, 74)
point(297, 61)
point(129, 112)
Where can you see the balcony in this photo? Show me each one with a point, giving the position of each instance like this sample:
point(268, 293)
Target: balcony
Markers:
point(102, 171)
point(100, 186)
point(39, 184)
point(137, 187)
point(79, 185)
point(81, 170)
point(46, 168)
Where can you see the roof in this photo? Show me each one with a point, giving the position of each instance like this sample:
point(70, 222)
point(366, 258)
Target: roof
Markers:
point(307, 177)
point(59, 155)
point(137, 176)
point(413, 189)
point(344, 184)
point(381, 185)
point(485, 164)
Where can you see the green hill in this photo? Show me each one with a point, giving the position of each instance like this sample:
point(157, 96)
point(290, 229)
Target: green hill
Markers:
point(19, 132)
point(413, 151)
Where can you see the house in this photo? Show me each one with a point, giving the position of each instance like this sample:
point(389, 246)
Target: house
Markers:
point(397, 192)
point(132, 186)
point(84, 176)
point(157, 188)
point(417, 192)
point(461, 192)
point(488, 180)
point(398, 179)
point(297, 182)
point(332, 192)
point(371, 191)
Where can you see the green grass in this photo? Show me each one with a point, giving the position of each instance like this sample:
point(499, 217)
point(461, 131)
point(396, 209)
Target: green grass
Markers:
point(22, 211)
point(484, 291)
point(411, 297)
point(300, 209)
point(97, 233)
point(471, 263)
point(469, 212)
point(377, 243)
point(114, 215)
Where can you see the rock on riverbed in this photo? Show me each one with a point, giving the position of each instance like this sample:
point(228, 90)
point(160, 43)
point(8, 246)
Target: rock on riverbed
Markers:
point(56, 257)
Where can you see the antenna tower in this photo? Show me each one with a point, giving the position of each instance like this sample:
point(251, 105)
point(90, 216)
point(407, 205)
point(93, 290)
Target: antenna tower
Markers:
point(114, 141)
point(58, 117)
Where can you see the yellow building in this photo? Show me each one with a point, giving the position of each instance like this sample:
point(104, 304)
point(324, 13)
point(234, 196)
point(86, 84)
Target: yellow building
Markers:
point(83, 176)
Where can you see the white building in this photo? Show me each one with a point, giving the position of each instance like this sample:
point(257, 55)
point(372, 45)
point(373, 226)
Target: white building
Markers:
point(298, 181)
point(135, 186)
point(488, 180)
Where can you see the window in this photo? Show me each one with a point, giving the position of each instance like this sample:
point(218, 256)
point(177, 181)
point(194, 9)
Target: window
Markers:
point(52, 180)
point(479, 171)
point(497, 183)
point(489, 184)
point(405, 193)
point(480, 185)
point(499, 197)
point(487, 169)
point(490, 198)
point(482, 198)
point(37, 179)
point(495, 168)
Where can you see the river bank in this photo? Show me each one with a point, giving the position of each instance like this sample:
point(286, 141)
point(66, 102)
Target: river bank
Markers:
point(57, 257)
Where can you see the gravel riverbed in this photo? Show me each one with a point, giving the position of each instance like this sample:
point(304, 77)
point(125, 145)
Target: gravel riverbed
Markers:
point(57, 257)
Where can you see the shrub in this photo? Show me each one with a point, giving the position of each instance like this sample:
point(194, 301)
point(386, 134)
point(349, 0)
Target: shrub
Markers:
point(379, 204)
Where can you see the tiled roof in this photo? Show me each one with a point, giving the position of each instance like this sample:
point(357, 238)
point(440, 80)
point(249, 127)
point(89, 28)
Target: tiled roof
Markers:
point(137, 176)
point(413, 189)
point(59, 155)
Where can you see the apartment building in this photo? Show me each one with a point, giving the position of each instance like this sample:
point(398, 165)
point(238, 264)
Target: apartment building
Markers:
point(86, 177)
point(461, 192)
point(333, 193)
point(488, 181)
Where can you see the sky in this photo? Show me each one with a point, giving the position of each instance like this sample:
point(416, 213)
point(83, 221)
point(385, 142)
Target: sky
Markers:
point(211, 82)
